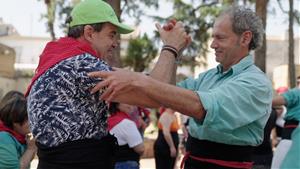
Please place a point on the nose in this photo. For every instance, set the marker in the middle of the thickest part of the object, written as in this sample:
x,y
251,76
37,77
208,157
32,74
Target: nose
x,y
213,44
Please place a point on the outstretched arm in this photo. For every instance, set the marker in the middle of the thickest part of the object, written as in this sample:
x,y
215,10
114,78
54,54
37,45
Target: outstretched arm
x,y
138,89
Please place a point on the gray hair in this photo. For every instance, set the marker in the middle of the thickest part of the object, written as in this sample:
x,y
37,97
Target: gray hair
x,y
244,19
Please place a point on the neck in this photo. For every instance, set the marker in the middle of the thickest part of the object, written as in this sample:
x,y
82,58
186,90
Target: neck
x,y
227,67
83,40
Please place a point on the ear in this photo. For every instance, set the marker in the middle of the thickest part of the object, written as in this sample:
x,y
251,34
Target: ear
x,y
88,31
246,38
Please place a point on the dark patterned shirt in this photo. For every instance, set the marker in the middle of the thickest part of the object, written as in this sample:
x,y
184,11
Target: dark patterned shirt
x,y
60,105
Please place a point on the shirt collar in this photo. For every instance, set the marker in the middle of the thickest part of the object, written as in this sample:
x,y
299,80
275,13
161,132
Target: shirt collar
x,y
239,67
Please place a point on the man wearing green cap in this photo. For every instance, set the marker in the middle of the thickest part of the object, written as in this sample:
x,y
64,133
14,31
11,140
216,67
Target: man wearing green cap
x,y
68,122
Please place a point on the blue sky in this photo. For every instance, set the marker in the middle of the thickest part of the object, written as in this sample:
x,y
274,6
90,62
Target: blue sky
x,y
25,15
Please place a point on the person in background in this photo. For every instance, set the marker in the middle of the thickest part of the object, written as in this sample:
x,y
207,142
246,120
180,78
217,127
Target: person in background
x,y
184,123
281,111
298,82
130,141
17,146
291,100
166,144
144,119
141,117
263,154
291,159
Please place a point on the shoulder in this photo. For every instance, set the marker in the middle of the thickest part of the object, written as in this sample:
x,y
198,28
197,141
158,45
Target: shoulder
x,y
255,77
294,90
85,61
126,123
6,138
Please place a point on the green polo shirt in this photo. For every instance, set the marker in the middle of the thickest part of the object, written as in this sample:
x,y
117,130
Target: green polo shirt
x,y
292,99
237,104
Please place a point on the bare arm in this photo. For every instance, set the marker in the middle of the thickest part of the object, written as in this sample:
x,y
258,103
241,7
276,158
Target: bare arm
x,y
137,89
172,96
140,148
165,69
29,153
166,121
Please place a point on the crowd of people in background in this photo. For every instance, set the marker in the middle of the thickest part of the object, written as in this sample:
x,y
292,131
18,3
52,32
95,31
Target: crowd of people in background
x,y
79,112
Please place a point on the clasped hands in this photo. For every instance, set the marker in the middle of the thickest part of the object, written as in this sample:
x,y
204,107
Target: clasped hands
x,y
120,81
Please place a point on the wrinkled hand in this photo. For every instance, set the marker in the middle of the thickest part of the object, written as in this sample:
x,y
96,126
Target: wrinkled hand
x,y
115,82
174,34
173,152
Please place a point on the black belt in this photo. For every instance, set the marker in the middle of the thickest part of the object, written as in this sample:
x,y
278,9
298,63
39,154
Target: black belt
x,y
289,127
291,124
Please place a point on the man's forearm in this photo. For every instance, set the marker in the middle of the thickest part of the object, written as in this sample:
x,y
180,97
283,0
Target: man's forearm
x,y
182,100
165,68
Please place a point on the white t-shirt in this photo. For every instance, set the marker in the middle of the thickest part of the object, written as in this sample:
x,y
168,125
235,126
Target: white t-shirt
x,y
127,133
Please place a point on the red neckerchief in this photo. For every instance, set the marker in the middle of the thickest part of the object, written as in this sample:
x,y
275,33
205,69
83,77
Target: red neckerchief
x,y
19,137
57,51
117,118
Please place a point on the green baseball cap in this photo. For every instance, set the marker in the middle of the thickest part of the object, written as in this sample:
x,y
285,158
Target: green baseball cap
x,y
96,11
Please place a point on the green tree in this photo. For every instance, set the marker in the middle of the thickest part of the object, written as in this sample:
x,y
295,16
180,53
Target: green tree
x,y
50,16
140,52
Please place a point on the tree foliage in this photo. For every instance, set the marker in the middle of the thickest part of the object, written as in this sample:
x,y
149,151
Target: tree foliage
x,y
57,12
198,16
141,51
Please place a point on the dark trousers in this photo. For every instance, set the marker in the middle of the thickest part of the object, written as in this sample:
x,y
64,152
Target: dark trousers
x,y
164,160
162,155
80,154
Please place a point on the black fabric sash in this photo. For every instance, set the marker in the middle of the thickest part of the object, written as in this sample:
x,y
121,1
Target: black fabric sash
x,y
80,154
218,151
289,127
